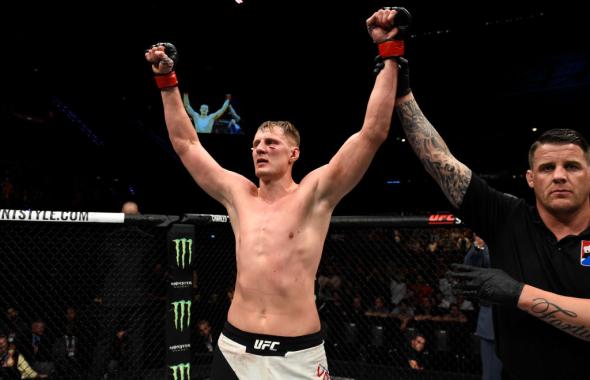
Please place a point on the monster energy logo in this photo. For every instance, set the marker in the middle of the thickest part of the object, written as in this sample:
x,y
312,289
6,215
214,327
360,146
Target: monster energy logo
x,y
179,370
183,246
180,309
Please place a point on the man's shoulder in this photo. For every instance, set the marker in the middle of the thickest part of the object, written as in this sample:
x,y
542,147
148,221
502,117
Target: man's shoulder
x,y
480,188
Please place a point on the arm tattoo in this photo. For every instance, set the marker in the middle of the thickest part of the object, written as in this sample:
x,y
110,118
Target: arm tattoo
x,y
551,313
451,175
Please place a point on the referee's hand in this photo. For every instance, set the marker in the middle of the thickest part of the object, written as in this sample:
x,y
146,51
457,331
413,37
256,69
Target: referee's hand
x,y
487,284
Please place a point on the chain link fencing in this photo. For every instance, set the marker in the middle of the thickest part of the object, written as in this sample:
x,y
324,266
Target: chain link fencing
x,y
86,300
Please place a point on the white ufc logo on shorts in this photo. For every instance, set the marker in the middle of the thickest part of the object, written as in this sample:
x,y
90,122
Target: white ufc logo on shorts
x,y
260,344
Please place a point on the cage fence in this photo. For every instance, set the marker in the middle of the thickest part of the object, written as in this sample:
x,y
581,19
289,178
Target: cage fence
x,y
89,300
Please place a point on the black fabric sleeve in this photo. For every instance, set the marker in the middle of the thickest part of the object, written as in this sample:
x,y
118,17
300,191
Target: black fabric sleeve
x,y
486,210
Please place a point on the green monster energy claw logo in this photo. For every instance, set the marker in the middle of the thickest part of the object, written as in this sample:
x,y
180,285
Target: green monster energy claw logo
x,y
180,309
179,370
183,246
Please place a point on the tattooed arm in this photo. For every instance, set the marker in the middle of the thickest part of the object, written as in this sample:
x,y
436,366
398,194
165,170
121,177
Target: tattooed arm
x,y
571,315
451,175
493,285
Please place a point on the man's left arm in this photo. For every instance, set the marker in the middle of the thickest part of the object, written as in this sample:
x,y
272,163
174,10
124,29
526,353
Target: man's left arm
x,y
215,115
569,314
26,371
352,160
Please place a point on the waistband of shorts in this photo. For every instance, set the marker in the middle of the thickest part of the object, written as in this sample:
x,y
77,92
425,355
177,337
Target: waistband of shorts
x,y
261,342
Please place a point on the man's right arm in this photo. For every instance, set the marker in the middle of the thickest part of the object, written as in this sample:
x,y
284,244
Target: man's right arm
x,y
451,175
187,105
208,174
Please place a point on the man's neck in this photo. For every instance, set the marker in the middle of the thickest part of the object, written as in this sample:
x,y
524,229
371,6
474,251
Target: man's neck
x,y
562,225
271,190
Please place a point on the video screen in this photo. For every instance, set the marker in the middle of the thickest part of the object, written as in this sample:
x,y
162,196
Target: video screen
x,y
214,117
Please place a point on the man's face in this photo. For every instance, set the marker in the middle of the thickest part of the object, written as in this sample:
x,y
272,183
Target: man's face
x,y
38,328
560,177
11,313
70,314
418,343
478,242
204,109
204,329
273,153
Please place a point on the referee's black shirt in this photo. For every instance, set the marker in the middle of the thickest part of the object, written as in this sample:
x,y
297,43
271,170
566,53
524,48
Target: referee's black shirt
x,y
523,246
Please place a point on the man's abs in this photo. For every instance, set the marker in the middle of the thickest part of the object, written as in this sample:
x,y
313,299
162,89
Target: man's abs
x,y
286,312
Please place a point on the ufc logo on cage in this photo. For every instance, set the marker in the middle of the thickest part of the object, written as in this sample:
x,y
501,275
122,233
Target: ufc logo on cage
x,y
260,344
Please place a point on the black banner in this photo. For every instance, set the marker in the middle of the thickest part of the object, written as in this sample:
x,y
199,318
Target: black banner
x,y
181,256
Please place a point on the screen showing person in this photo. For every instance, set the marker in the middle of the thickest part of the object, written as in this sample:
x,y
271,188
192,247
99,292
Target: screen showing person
x,y
224,120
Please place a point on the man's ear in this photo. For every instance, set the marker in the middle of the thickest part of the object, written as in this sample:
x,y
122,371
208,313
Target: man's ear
x,y
529,178
294,154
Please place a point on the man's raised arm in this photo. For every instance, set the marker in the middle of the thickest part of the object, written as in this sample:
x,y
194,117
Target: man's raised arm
x,y
209,175
451,175
352,160
187,105
215,115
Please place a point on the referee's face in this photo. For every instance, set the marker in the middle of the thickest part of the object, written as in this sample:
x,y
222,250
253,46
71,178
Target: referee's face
x,y
560,178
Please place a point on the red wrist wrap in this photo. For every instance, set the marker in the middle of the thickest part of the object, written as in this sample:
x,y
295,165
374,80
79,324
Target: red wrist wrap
x,y
166,80
393,48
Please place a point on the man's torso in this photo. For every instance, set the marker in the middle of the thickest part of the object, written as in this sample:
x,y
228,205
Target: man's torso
x,y
204,123
278,250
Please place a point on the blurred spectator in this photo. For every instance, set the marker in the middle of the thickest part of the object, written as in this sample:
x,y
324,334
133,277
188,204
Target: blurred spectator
x,y
205,341
13,365
130,207
38,349
14,327
454,315
68,353
426,309
421,288
416,351
479,256
379,309
119,359
398,288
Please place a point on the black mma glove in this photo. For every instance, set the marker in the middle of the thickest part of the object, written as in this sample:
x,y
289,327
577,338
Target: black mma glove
x,y
164,70
488,284
403,74
403,77
395,49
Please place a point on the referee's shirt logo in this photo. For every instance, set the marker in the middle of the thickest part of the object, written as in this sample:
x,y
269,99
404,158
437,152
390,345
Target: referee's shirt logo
x,y
585,253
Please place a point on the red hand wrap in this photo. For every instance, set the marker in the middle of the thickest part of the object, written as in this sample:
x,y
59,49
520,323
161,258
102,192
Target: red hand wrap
x,y
393,48
166,80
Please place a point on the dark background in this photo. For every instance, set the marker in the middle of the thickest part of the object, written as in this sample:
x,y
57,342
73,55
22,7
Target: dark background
x,y
81,118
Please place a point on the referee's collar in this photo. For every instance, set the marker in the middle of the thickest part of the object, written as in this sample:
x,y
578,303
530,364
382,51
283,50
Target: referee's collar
x,y
536,218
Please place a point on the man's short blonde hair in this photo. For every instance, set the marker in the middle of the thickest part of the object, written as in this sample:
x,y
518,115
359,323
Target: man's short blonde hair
x,y
288,129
